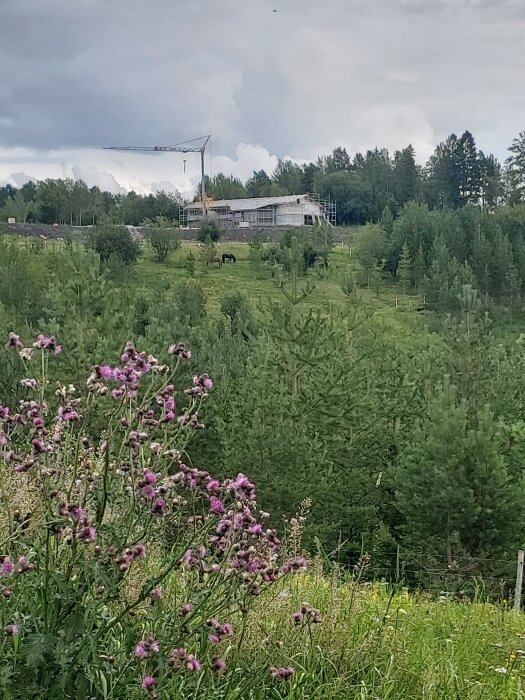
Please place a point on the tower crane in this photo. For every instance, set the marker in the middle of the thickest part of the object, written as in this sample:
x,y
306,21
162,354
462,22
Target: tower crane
x,y
182,147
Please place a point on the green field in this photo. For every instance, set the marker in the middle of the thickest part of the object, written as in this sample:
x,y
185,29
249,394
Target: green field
x,y
378,421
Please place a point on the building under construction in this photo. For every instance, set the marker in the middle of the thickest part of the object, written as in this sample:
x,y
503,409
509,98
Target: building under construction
x,y
262,212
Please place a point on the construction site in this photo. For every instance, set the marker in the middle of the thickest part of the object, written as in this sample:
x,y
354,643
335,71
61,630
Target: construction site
x,y
258,213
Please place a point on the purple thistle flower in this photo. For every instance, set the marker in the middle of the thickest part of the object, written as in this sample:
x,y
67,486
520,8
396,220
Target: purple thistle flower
x,y
105,372
216,505
213,485
148,683
157,594
68,414
87,534
159,506
148,492
13,341
149,477
3,439
193,664
139,552
214,639
7,567
38,446
282,673
297,617
185,609
206,382
294,564
179,350
12,630
140,651
29,383
76,513
47,342
219,665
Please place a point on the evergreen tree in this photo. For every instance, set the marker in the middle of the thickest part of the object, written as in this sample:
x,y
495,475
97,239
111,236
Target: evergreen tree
x,y
481,262
453,486
419,268
517,164
406,175
405,269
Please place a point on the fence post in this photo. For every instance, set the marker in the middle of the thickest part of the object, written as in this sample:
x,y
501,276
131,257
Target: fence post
x,y
519,580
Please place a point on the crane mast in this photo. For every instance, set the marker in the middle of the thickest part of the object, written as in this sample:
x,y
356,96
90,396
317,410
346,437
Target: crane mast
x,y
182,147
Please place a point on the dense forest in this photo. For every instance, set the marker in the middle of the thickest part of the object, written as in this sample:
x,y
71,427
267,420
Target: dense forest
x,y
457,173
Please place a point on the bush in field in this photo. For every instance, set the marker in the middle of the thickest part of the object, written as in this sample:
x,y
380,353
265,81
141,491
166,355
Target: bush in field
x,y
162,236
124,572
114,242
210,228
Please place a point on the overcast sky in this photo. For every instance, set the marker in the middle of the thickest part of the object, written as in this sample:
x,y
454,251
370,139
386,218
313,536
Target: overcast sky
x,y
76,75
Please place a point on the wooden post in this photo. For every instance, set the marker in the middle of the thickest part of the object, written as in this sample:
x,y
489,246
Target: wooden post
x,y
519,580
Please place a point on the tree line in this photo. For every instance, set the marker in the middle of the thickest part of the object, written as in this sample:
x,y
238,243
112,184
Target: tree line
x,y
457,173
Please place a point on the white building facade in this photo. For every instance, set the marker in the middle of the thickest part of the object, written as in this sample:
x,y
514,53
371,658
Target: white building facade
x,y
288,211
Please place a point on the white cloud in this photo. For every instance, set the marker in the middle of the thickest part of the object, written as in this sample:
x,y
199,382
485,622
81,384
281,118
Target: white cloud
x,y
299,81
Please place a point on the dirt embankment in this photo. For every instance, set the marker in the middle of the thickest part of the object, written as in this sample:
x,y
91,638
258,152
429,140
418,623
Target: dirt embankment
x,y
187,234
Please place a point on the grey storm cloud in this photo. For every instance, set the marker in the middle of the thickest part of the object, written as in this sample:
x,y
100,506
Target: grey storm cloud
x,y
298,81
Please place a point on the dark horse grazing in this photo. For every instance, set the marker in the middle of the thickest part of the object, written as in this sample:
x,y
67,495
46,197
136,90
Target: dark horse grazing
x,y
228,257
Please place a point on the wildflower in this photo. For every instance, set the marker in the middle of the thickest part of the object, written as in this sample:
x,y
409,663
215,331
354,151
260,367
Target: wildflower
x,y
293,565
13,341
219,665
3,439
12,630
26,353
23,565
501,670
193,664
38,446
159,506
297,617
47,342
140,651
216,505
7,567
105,372
176,655
185,609
149,492
29,383
148,683
180,350
87,534
157,594
282,673
139,552
76,513
146,647
68,414
213,485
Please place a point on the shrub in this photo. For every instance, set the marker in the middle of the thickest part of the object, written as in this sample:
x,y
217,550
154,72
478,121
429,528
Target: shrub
x,y
123,570
210,228
162,236
114,241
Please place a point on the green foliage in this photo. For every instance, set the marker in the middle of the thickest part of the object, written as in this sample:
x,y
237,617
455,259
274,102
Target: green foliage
x,y
114,242
209,228
162,236
370,250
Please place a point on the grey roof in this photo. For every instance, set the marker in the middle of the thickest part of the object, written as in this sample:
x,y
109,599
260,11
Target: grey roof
x,y
251,203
